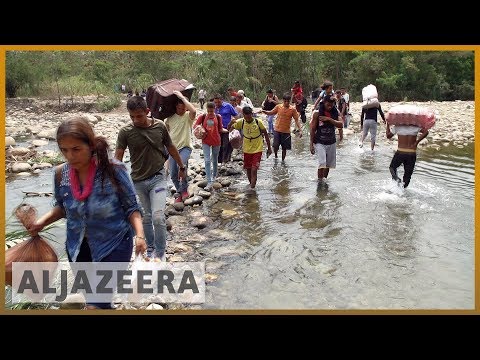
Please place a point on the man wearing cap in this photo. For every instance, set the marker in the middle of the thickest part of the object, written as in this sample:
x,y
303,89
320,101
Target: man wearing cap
x,y
281,134
322,135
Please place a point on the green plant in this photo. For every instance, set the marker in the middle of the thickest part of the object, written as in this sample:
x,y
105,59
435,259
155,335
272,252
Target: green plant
x,y
109,103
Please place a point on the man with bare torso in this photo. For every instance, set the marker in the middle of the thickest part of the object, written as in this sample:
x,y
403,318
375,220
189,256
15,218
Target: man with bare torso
x,y
406,153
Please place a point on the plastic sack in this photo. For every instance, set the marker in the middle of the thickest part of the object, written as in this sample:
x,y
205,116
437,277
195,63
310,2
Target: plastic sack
x,y
235,138
369,92
199,132
411,115
35,249
370,103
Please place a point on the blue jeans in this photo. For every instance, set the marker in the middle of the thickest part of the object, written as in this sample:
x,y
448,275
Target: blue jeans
x,y
152,193
122,253
208,160
270,123
182,185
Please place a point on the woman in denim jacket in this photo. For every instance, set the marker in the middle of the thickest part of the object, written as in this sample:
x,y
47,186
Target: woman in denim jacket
x,y
97,197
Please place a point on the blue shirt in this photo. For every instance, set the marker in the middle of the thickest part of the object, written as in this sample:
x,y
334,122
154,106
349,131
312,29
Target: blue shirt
x,y
102,218
226,111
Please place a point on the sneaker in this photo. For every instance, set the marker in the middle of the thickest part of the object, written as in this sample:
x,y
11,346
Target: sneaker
x,y
184,195
208,187
178,199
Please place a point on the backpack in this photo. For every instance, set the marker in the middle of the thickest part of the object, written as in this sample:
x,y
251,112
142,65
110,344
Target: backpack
x,y
268,104
200,131
243,123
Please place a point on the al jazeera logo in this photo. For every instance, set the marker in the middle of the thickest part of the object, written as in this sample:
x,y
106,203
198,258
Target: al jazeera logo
x,y
136,282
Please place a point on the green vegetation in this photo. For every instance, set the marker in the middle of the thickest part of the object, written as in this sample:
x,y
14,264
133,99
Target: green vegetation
x,y
398,75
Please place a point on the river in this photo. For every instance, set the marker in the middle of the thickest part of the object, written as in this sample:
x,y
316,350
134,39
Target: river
x,y
357,242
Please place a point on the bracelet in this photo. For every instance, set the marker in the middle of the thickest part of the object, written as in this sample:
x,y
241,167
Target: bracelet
x,y
139,237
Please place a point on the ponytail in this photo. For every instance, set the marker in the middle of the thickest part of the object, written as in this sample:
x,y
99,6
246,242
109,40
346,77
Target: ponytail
x,y
103,161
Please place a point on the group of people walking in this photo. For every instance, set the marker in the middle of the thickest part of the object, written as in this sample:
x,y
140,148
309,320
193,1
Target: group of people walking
x,y
98,196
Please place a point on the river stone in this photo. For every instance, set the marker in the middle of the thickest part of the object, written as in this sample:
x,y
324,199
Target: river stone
x,y
50,134
154,306
170,211
21,167
176,258
9,141
225,182
19,151
210,278
180,247
42,166
202,183
204,194
179,206
217,185
193,200
227,214
201,222
38,142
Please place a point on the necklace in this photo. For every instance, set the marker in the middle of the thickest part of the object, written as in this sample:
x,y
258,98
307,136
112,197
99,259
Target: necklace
x,y
75,182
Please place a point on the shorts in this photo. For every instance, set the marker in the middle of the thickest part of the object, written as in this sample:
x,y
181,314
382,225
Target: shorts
x,y
284,139
252,161
326,155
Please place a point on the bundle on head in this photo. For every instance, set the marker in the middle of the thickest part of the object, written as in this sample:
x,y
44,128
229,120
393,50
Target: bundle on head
x,y
407,114
35,249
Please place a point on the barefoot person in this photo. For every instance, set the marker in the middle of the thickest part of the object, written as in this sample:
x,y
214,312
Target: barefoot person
x,y
252,130
406,153
368,122
281,134
322,136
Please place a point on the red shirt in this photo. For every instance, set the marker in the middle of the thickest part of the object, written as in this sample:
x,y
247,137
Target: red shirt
x,y
213,125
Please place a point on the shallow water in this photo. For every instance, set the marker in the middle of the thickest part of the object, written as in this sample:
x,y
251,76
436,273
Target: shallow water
x,y
357,241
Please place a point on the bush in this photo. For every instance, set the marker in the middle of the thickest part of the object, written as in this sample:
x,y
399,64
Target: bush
x,y
109,103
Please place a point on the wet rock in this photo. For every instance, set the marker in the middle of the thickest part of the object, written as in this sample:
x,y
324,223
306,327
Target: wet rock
x,y
193,200
228,214
209,278
179,206
225,182
183,248
204,194
217,185
202,183
24,174
201,222
170,211
193,238
21,167
176,258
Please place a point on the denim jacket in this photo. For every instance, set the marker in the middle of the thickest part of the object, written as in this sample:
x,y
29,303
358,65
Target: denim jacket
x,y
102,218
